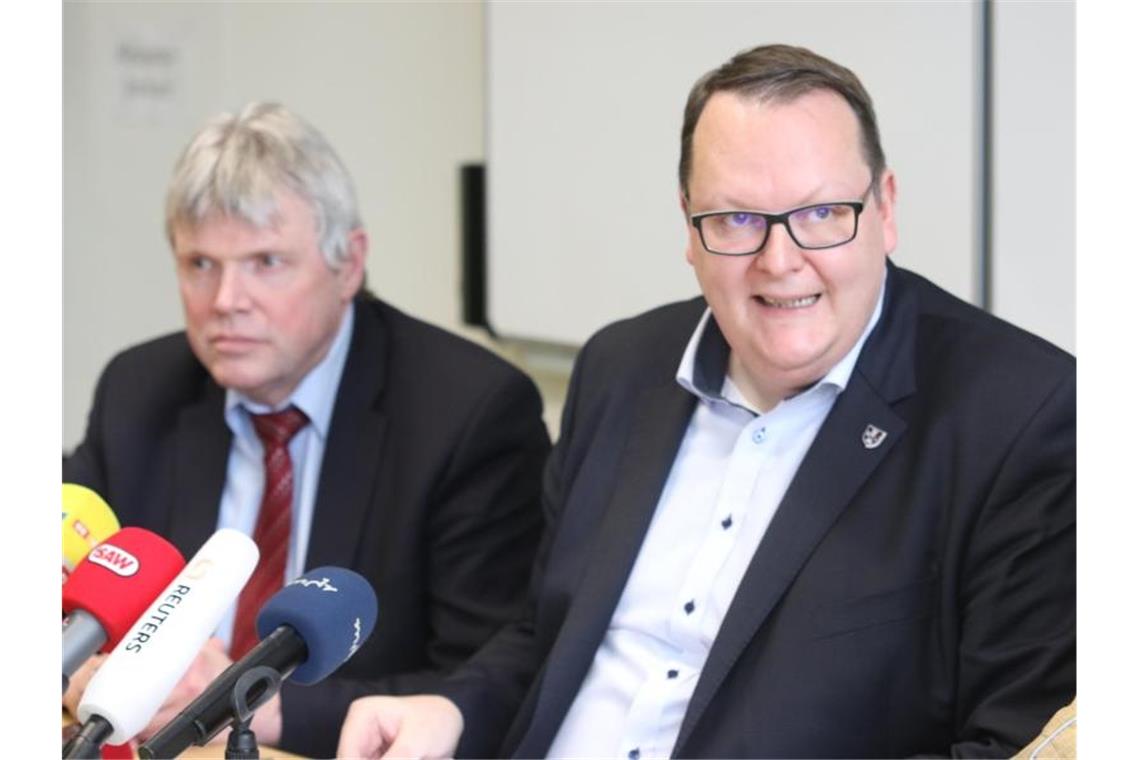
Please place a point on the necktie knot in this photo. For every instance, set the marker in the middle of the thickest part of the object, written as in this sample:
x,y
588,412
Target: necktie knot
x,y
278,428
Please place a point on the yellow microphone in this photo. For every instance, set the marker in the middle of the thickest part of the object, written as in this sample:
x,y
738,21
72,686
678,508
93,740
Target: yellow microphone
x,y
87,522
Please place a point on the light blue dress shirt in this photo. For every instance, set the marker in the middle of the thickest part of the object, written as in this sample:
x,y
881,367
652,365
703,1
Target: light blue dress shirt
x,y
730,475
316,396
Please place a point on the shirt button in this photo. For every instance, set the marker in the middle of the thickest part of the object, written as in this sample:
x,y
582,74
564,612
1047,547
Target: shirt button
x,y
671,674
726,523
634,753
690,606
759,434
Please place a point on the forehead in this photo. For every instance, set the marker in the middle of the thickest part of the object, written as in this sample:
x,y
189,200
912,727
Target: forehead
x,y
782,151
289,223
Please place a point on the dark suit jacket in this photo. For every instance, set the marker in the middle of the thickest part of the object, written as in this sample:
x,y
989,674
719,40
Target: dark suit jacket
x,y
429,488
914,598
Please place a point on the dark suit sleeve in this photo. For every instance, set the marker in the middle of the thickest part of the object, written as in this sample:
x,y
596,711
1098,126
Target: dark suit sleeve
x,y
1017,658
85,464
485,524
491,686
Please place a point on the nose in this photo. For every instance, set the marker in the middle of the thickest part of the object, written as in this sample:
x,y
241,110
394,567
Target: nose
x,y
231,294
780,254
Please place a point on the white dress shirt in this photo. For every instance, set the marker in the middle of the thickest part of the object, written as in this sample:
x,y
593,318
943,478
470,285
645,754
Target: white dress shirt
x,y
730,474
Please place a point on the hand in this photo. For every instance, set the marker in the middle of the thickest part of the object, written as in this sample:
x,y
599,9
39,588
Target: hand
x,y
79,681
423,726
207,666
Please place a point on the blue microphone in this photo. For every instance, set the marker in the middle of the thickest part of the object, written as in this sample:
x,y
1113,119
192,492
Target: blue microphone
x,y
332,611
307,629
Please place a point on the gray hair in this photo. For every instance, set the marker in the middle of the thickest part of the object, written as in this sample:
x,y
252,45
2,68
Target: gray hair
x,y
236,164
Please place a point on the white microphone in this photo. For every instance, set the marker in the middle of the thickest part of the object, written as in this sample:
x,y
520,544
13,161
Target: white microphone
x,y
131,685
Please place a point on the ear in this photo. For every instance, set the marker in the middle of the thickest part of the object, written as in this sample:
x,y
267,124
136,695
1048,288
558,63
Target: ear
x,y
887,196
689,231
351,271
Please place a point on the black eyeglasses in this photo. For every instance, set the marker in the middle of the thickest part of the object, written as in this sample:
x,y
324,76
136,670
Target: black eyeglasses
x,y
743,233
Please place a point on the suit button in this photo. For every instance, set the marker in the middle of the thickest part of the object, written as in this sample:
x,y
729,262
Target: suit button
x,y
634,753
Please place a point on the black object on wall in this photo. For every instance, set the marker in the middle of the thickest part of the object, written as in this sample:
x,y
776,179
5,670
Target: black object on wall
x,y
473,233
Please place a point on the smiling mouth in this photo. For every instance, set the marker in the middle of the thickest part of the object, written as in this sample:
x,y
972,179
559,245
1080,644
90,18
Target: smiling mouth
x,y
789,303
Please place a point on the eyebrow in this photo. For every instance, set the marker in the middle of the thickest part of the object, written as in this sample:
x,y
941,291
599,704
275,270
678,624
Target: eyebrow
x,y
243,255
731,204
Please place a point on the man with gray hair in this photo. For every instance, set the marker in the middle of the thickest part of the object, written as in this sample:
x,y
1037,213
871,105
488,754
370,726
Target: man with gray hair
x,y
826,510
329,426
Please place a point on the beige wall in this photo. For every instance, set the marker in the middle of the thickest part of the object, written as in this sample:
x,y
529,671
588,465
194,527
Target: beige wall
x,y
397,88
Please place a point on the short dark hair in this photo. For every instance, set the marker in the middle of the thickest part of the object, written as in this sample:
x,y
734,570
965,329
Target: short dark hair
x,y
782,73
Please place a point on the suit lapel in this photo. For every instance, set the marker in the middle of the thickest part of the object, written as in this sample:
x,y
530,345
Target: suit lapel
x,y
838,463
352,451
660,417
202,449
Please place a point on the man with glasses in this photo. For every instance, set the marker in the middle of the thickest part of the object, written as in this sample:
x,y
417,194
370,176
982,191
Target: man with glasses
x,y
827,510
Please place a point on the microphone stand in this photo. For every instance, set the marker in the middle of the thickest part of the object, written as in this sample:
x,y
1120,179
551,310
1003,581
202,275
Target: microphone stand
x,y
86,744
242,743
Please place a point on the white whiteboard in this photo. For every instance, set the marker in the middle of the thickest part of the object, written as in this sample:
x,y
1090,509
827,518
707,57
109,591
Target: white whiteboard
x,y
1034,169
583,132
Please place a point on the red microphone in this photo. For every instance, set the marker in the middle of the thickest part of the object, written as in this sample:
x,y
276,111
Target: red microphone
x,y
110,588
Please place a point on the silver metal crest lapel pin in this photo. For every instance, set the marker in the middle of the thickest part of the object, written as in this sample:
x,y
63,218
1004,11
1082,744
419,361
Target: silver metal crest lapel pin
x,y
873,437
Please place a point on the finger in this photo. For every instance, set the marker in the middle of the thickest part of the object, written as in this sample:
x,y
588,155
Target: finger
x,y
216,643
400,751
361,734
360,745
79,680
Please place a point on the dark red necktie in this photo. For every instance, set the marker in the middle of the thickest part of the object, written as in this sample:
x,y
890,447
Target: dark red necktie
x,y
273,521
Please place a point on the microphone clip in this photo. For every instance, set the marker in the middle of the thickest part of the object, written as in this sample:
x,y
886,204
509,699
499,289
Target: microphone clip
x,y
254,688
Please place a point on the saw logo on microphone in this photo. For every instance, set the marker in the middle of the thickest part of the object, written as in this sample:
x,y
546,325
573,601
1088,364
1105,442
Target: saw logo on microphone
x,y
118,561
147,627
323,584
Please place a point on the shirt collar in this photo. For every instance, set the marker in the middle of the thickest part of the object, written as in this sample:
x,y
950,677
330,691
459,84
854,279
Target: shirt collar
x,y
702,371
315,395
